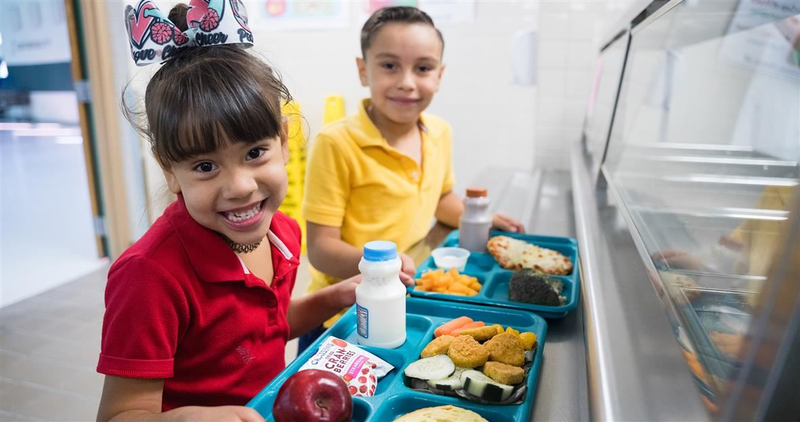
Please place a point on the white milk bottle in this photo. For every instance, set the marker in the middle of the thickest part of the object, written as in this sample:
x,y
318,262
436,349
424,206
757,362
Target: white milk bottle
x,y
476,221
381,297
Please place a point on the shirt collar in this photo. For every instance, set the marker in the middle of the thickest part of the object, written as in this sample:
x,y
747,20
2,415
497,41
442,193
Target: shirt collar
x,y
212,258
369,135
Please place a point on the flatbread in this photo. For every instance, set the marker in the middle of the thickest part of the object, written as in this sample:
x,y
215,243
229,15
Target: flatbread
x,y
441,414
513,254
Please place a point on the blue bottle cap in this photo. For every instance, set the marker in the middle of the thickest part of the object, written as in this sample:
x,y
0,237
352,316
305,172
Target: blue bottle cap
x,y
380,250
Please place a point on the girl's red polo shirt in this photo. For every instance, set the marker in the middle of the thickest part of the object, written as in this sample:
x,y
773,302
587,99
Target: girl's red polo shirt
x,y
180,305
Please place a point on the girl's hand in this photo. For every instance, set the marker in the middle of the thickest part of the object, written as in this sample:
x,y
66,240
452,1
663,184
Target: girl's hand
x,y
408,270
507,224
215,414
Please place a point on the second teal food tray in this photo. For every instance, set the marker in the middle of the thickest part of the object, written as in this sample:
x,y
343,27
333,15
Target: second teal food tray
x,y
495,278
393,399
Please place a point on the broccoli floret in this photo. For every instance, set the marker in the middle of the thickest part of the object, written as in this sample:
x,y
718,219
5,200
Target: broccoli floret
x,y
555,283
533,287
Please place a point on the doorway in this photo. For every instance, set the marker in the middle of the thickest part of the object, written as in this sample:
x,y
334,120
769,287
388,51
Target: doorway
x,y
51,223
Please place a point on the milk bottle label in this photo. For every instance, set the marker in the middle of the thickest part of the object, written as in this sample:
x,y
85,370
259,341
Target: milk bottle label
x,y
363,321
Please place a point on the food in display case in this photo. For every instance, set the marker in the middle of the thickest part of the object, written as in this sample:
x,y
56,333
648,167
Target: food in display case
x,y
727,343
719,320
515,254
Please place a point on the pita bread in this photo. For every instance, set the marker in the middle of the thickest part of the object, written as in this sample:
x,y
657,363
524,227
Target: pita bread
x,y
441,414
513,254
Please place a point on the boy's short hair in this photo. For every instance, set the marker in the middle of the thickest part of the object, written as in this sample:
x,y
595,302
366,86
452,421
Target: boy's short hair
x,y
402,14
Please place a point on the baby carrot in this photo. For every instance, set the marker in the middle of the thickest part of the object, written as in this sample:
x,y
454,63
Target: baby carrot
x,y
451,325
476,324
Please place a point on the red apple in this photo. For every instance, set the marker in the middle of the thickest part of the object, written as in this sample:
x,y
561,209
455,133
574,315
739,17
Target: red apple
x,y
313,395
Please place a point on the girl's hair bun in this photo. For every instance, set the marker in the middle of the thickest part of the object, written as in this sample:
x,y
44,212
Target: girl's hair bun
x,y
178,16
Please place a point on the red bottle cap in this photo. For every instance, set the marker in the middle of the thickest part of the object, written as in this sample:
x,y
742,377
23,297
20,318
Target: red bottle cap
x,y
476,192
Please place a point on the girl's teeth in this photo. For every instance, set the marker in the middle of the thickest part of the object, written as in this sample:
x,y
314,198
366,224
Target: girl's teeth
x,y
243,215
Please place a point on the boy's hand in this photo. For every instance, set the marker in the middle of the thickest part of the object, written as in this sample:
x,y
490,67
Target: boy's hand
x,y
408,270
215,414
507,224
345,291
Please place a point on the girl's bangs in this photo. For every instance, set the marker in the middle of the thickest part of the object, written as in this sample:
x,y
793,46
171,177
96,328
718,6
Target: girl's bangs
x,y
226,110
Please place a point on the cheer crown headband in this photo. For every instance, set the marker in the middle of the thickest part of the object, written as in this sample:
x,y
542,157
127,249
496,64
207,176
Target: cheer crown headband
x,y
154,38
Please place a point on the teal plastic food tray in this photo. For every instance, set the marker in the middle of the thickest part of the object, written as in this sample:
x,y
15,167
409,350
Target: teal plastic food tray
x,y
495,279
393,399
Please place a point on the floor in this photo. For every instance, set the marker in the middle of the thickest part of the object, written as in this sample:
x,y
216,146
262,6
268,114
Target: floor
x,y
49,346
42,169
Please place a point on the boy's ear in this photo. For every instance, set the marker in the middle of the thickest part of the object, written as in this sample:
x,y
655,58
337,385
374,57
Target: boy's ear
x,y
362,71
172,181
439,78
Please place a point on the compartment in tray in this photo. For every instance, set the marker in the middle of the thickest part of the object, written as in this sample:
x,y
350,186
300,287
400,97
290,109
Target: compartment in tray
x,y
495,279
423,316
497,288
361,410
417,328
398,406
479,263
486,262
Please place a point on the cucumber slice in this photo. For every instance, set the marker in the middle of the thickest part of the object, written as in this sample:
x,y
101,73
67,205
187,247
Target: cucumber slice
x,y
478,384
453,382
432,368
530,354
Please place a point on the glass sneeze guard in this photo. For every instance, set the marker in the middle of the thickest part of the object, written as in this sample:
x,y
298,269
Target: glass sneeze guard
x,y
703,155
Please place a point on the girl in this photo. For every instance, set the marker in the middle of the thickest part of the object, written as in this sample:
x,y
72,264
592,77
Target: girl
x,y
199,310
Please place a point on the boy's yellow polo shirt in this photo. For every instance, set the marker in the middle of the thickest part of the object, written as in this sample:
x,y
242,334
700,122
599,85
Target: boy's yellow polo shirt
x,y
371,191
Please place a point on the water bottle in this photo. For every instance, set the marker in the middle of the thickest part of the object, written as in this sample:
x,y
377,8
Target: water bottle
x,y
381,297
476,221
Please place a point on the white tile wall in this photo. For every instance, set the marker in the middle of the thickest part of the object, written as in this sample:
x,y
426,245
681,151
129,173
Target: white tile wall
x,y
570,35
552,83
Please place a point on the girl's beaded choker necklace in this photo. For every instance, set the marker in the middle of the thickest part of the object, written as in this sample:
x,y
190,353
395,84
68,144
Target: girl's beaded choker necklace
x,y
240,247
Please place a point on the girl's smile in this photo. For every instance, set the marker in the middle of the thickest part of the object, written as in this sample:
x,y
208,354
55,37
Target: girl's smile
x,y
245,217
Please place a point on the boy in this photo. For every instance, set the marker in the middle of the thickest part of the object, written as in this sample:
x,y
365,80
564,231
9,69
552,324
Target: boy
x,y
387,171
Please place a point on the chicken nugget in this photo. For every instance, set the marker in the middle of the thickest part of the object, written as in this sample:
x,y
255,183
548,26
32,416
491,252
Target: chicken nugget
x,y
506,348
480,333
438,346
504,374
466,352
